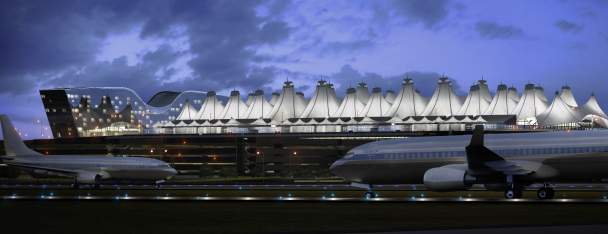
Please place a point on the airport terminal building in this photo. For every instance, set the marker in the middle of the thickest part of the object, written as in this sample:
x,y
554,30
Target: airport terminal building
x,y
111,111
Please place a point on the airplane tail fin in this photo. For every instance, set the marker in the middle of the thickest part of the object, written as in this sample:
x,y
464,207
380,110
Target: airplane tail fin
x,y
13,145
477,153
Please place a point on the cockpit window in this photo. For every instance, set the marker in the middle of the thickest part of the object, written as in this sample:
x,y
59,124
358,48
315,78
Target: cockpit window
x,y
349,155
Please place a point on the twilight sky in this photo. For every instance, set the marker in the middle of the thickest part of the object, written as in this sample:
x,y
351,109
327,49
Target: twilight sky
x,y
151,45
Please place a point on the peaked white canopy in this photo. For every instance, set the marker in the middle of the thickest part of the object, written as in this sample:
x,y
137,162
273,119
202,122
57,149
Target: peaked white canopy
x,y
567,96
484,91
188,112
390,96
322,104
362,93
212,107
502,104
249,99
235,108
530,104
475,103
288,105
376,106
408,101
259,108
350,106
512,93
591,107
444,101
540,92
301,100
274,98
559,112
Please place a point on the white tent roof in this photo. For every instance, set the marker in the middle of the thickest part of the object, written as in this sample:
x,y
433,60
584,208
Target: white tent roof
x,y
259,108
567,96
332,92
512,93
408,101
540,92
559,112
188,112
235,108
274,98
502,104
444,101
212,107
376,106
322,104
183,124
390,96
530,104
362,93
249,99
475,103
592,107
350,106
484,91
288,105
301,100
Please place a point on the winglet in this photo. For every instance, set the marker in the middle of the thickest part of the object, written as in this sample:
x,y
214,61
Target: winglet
x,y
477,138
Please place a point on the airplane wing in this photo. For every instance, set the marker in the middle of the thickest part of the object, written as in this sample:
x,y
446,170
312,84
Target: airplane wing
x,y
481,160
82,175
45,168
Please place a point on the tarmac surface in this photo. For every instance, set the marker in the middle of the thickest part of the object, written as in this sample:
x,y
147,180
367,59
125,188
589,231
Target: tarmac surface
x,y
295,208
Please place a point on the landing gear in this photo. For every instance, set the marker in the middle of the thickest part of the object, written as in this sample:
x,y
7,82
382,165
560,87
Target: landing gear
x,y
370,194
545,192
513,193
75,185
97,182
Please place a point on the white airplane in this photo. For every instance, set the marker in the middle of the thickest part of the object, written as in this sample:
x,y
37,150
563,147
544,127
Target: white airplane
x,y
83,168
507,162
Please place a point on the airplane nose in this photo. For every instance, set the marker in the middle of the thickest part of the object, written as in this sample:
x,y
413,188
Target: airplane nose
x,y
170,172
334,166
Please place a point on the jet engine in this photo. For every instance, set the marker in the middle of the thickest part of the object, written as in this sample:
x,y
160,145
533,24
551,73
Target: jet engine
x,y
91,177
447,178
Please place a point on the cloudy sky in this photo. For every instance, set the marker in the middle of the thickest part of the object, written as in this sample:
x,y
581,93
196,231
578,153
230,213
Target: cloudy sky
x,y
152,45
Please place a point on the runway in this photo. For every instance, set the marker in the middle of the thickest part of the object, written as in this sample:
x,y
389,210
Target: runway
x,y
339,193
126,197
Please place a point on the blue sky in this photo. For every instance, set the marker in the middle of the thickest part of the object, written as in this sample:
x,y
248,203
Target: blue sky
x,y
152,45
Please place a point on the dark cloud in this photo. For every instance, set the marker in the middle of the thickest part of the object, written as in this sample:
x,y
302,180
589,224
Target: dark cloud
x,y
424,81
53,39
568,27
340,47
428,12
492,30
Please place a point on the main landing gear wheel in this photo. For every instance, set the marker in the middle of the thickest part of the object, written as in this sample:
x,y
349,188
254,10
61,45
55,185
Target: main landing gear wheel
x,y
513,193
370,194
545,193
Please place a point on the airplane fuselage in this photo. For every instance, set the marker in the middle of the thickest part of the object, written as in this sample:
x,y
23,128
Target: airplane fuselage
x,y
120,168
577,156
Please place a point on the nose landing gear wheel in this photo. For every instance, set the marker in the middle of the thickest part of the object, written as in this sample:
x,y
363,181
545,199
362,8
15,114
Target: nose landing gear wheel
x,y
370,194
545,193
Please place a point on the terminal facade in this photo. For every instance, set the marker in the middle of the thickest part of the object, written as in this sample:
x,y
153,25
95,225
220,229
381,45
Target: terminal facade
x,y
112,111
